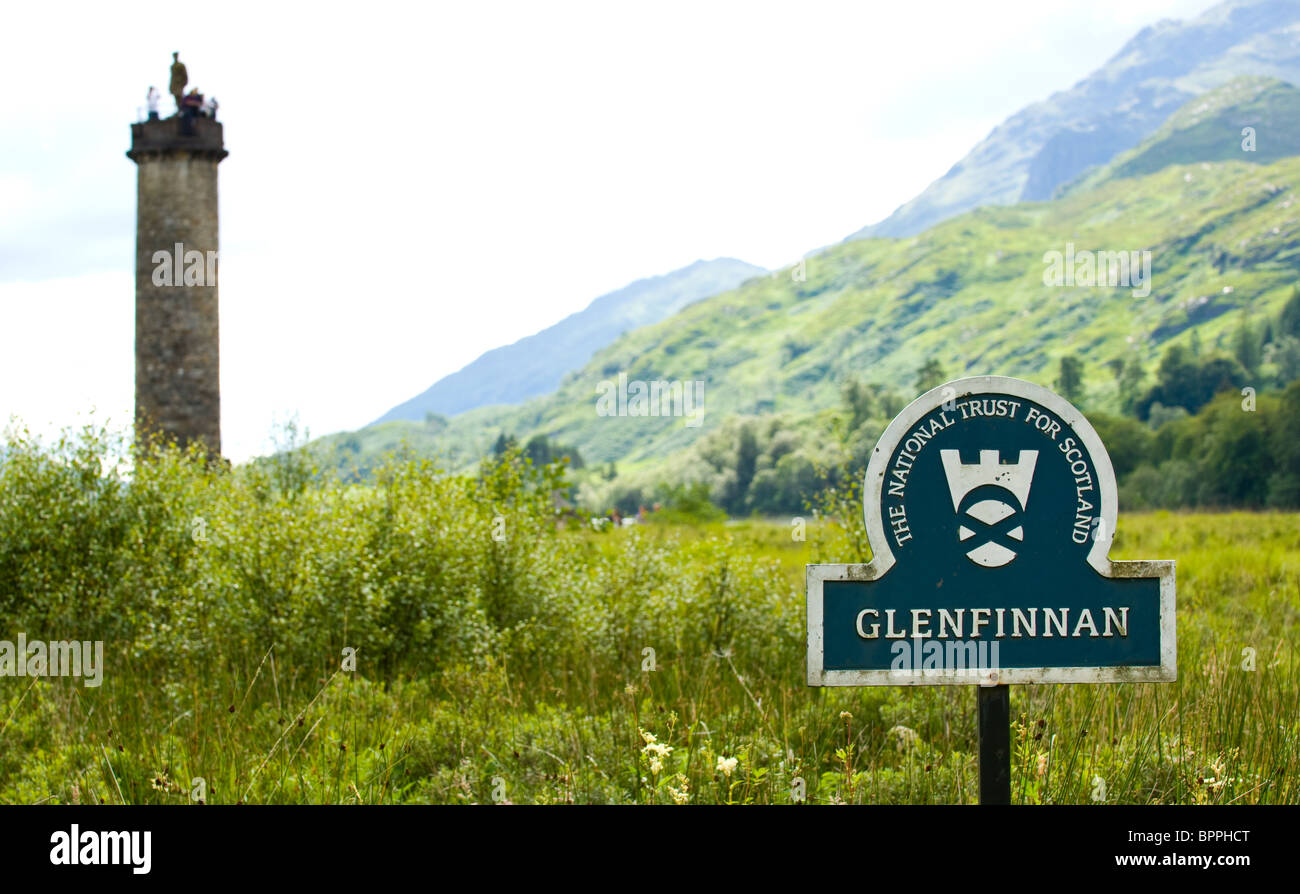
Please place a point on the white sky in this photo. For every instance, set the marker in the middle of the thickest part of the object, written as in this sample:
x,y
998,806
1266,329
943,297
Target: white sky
x,y
408,187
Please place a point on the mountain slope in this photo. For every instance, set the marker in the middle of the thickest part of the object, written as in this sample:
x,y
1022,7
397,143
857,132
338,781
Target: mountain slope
x,y
535,365
969,293
1211,129
1044,145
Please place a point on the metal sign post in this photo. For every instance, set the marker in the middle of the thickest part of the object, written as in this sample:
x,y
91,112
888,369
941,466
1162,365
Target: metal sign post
x,y
989,504
994,706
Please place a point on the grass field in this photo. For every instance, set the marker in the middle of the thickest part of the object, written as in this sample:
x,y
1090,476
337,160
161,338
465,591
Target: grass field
x,y
515,668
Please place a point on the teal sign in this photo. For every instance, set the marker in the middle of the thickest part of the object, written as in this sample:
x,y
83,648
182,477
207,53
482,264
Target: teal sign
x,y
990,505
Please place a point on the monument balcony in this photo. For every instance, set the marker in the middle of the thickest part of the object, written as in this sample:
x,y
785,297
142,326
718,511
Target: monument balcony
x,y
196,135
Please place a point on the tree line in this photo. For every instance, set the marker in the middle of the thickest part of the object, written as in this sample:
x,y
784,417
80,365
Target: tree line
x,y
1216,428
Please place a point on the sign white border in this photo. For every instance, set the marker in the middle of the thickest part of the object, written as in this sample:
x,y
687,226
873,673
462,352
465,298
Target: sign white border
x,y
883,558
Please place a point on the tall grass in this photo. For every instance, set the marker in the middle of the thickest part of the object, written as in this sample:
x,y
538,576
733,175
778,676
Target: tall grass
x,y
501,651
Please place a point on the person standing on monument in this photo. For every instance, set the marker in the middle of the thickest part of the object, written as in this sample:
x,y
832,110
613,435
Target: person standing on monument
x,y
152,99
179,79
193,103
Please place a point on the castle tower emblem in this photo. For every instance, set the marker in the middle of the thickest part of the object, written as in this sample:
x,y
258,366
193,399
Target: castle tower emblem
x,y
989,498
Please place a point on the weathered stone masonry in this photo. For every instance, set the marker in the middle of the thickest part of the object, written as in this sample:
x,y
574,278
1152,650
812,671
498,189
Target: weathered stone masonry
x,y
177,364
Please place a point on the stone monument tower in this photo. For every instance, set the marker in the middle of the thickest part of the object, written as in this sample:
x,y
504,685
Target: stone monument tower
x,y
177,368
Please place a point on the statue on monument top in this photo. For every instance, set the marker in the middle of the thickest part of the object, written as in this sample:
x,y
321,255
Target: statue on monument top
x,y
179,79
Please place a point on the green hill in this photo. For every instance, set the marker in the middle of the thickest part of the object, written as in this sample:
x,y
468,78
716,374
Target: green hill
x,y
1211,128
969,295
